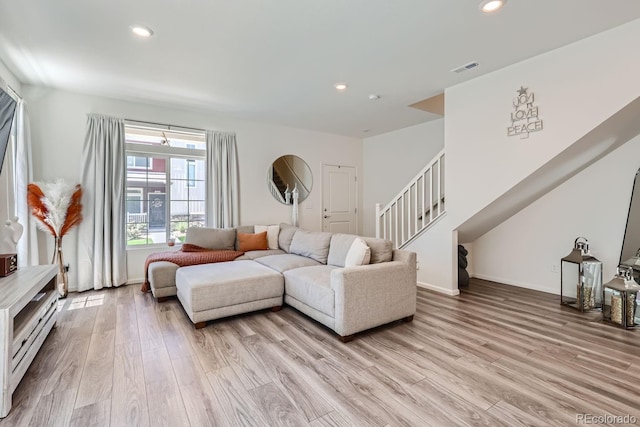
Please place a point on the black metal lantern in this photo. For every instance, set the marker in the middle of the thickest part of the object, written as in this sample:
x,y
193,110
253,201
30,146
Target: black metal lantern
x,y
581,278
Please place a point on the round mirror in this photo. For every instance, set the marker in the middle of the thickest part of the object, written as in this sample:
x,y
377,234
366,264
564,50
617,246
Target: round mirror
x,y
288,174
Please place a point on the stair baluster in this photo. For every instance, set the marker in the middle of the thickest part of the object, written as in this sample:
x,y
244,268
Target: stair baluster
x,y
405,217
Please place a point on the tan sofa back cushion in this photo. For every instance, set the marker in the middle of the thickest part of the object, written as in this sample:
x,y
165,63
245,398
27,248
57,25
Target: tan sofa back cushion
x,y
286,236
211,238
381,250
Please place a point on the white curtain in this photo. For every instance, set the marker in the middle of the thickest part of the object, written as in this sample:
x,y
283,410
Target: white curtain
x,y
222,180
28,244
102,236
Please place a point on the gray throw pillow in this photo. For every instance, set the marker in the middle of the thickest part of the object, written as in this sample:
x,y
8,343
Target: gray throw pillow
x,y
286,236
381,250
212,238
312,244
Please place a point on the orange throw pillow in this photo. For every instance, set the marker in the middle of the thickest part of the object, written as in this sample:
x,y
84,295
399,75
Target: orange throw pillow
x,y
252,242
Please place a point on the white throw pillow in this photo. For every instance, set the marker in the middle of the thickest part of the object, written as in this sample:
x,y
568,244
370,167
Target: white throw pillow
x,y
272,234
359,254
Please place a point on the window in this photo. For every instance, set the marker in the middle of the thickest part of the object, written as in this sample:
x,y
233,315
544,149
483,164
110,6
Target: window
x,y
137,162
191,173
165,183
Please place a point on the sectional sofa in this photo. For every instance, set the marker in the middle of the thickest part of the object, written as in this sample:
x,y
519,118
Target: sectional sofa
x,y
348,283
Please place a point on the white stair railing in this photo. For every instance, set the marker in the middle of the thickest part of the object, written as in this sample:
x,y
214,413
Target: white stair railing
x,y
275,191
416,207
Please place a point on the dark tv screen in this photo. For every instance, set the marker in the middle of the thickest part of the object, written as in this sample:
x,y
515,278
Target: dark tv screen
x,y
7,110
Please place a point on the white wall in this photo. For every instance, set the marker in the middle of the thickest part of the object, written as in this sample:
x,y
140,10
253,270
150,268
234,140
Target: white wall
x,y
523,250
58,121
392,159
9,77
437,255
577,87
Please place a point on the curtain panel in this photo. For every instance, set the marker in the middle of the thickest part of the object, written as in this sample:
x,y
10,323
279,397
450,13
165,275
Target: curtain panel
x,y
102,235
28,244
222,180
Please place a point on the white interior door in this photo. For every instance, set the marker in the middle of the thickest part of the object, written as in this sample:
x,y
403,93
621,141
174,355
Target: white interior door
x,y
339,198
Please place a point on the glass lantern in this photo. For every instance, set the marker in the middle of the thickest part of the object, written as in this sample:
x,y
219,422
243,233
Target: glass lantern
x,y
620,304
581,278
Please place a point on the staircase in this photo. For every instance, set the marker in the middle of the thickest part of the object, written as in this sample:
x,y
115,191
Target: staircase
x,y
415,208
279,183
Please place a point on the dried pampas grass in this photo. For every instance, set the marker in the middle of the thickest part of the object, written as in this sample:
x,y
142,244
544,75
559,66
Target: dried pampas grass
x,y
56,205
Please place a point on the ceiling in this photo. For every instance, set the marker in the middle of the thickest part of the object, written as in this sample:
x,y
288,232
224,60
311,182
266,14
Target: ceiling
x,y
276,61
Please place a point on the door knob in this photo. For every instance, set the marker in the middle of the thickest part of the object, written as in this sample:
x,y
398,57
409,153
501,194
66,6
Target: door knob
x,y
327,216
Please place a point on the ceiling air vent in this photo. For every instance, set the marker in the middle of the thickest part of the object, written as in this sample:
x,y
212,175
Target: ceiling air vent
x,y
465,67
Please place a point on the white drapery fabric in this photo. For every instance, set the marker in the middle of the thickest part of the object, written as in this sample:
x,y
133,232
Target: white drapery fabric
x,y
223,209
102,235
28,244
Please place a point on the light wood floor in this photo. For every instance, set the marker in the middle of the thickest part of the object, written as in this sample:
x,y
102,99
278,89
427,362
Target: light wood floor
x,y
494,356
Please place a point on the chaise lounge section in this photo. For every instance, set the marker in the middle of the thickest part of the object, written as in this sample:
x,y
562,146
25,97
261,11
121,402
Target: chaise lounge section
x,y
345,282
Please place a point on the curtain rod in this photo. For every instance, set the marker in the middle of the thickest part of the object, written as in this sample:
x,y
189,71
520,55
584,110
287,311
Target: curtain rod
x,y
14,93
164,125
10,91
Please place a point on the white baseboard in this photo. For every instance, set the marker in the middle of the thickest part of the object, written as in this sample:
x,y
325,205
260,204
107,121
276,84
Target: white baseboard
x,y
532,286
450,292
136,281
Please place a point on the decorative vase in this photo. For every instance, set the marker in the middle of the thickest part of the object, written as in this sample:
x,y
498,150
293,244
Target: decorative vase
x,y
63,288
57,206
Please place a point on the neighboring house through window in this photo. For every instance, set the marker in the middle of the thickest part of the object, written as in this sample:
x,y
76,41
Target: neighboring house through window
x,y
165,183
191,173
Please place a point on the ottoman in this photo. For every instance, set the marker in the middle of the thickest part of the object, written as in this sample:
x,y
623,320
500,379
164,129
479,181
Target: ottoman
x,y
212,291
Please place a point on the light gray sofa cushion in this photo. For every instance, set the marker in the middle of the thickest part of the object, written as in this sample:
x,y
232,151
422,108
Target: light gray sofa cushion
x,y
381,250
206,286
282,263
312,244
312,286
212,238
260,254
286,235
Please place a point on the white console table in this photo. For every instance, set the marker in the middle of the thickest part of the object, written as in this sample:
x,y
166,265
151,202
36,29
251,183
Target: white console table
x,y
28,311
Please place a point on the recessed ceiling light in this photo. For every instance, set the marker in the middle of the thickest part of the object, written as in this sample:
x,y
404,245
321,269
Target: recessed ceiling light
x,y
374,97
488,6
340,86
141,30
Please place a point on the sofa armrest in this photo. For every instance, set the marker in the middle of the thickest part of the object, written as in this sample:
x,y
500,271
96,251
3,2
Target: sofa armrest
x,y
372,295
162,278
404,256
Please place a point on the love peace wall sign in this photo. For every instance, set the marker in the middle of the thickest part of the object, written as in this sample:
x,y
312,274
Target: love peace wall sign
x,y
524,117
